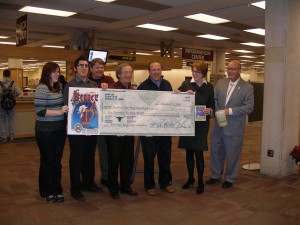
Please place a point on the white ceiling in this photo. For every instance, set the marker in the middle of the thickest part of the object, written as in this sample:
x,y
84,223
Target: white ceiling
x,y
115,23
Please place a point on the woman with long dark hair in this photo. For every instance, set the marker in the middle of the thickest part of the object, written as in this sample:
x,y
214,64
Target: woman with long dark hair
x,y
50,132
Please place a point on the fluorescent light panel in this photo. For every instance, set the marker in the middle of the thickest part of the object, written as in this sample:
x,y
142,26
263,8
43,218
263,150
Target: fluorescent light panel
x,y
261,4
52,46
243,51
258,31
45,11
245,60
7,43
247,56
252,44
207,18
30,60
156,27
106,1
142,53
3,37
211,36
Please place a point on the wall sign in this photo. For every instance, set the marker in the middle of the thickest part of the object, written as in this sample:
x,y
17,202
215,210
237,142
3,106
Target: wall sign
x,y
197,54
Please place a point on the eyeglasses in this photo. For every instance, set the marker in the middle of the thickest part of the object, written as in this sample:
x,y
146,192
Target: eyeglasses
x,y
196,71
232,69
83,66
127,73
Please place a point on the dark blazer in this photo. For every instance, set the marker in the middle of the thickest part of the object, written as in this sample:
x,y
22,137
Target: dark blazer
x,y
241,102
149,85
204,95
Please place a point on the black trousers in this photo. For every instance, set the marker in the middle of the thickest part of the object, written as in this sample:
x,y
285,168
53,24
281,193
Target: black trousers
x,y
51,146
82,161
120,156
162,147
190,164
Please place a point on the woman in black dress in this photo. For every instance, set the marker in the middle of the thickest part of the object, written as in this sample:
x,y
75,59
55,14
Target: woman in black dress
x,y
195,145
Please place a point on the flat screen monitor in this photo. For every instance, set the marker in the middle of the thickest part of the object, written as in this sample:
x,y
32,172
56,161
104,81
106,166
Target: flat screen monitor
x,y
102,54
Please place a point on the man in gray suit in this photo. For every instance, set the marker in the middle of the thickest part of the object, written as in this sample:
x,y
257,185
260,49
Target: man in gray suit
x,y
235,97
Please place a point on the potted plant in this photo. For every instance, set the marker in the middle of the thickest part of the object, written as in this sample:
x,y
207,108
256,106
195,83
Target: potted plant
x,y
296,155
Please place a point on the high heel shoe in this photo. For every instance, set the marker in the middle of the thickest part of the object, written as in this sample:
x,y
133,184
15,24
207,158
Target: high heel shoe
x,y
188,184
200,189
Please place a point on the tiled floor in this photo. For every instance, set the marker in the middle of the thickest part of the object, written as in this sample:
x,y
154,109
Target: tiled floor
x,y
253,200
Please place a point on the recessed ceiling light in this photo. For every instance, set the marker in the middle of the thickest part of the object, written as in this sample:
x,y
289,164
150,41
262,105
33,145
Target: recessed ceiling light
x,y
156,27
248,56
211,36
156,51
261,4
52,46
252,44
245,60
30,60
258,31
45,11
207,18
7,43
243,51
106,1
142,53
3,37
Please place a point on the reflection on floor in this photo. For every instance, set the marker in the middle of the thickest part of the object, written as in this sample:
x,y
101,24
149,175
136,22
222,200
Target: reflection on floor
x,y
254,199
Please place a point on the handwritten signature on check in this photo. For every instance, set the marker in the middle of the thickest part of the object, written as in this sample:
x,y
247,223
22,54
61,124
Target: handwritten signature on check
x,y
169,124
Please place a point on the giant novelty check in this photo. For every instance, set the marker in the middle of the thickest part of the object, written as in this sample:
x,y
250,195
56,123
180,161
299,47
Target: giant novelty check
x,y
93,111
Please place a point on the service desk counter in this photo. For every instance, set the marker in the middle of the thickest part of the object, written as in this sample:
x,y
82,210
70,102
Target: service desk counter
x,y
24,119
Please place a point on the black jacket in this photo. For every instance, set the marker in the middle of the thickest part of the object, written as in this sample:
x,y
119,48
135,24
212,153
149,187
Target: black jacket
x,y
148,84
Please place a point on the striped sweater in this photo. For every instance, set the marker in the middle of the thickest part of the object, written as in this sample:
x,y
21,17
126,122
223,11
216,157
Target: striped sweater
x,y
43,100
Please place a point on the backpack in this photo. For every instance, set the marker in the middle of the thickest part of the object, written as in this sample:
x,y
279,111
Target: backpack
x,y
8,101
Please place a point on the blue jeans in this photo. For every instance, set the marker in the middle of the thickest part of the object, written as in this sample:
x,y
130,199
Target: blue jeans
x,y
7,115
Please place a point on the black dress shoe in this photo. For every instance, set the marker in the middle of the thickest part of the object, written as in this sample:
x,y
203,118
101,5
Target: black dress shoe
x,y
200,189
93,188
212,181
188,184
77,195
104,182
129,191
227,184
114,194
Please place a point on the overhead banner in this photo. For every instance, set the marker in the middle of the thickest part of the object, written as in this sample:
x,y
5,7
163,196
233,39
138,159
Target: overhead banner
x,y
21,31
197,54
